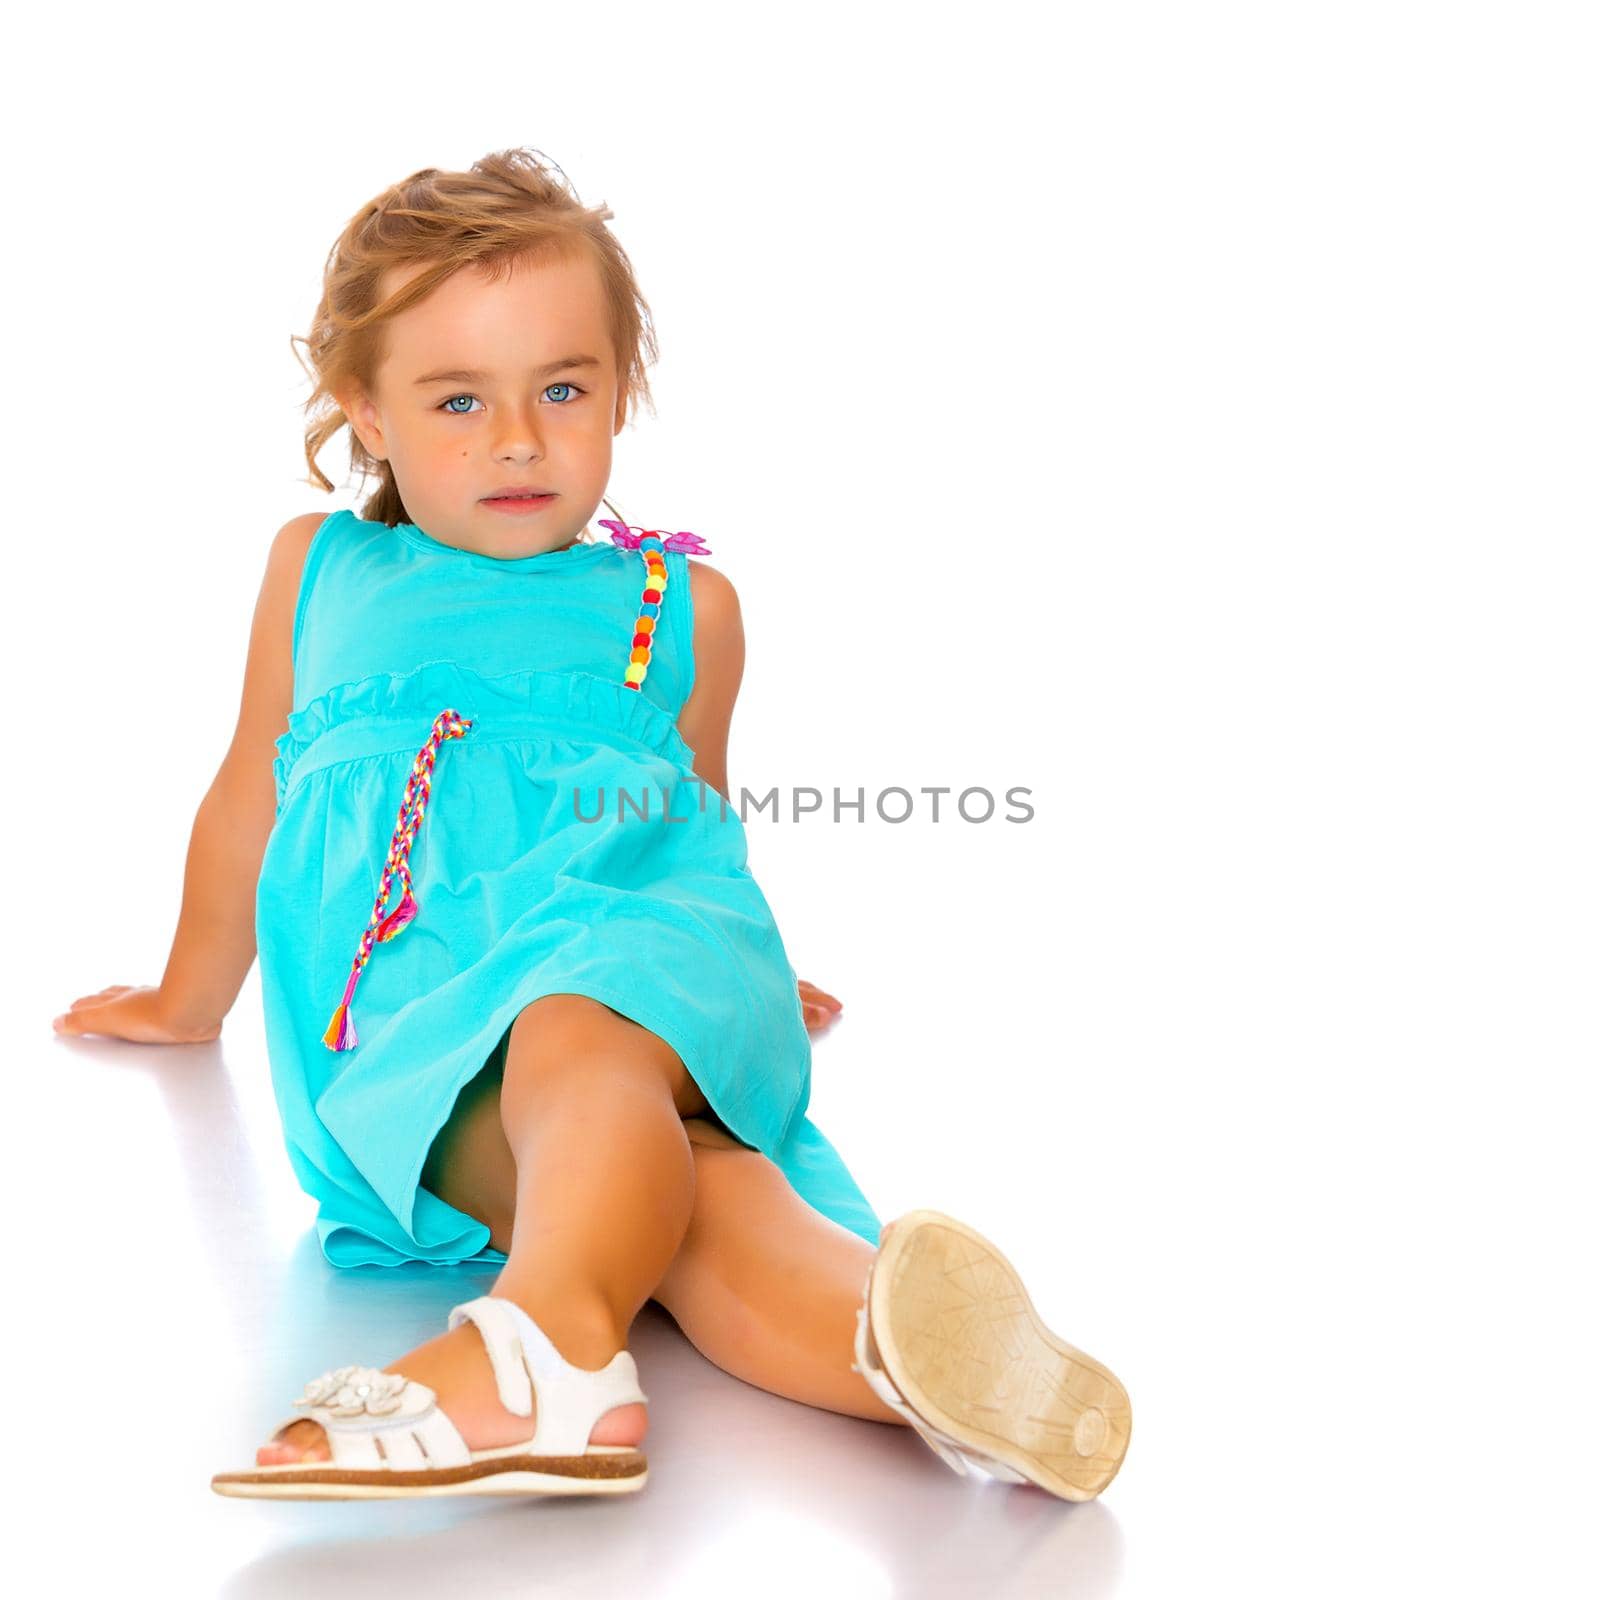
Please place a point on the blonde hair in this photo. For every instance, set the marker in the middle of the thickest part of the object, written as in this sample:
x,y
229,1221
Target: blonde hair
x,y
507,207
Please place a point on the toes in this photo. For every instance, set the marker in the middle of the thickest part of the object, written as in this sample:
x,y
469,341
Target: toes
x,y
302,1440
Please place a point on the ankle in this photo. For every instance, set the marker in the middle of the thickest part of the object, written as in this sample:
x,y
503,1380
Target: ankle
x,y
583,1328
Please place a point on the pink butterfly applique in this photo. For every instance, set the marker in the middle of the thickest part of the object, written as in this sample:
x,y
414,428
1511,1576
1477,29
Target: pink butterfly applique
x,y
627,539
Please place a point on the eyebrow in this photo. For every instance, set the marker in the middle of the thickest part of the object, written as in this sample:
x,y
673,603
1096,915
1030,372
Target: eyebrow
x,y
473,375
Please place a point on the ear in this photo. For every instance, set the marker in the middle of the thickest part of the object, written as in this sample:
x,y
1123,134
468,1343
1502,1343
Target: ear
x,y
622,411
362,415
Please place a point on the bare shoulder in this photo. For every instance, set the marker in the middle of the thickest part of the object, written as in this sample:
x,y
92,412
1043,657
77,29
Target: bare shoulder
x,y
303,526
268,691
293,540
280,586
286,563
710,581
717,621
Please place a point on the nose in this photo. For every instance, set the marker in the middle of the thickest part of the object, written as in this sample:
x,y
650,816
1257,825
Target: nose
x,y
516,436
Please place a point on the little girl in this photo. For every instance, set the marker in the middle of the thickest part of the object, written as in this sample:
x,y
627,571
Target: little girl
x,y
548,1021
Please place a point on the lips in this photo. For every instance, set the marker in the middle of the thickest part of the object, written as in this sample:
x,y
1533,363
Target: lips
x,y
520,494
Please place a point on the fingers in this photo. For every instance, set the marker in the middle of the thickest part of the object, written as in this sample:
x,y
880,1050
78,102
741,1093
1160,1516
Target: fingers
x,y
133,1012
101,994
75,1018
817,1006
810,994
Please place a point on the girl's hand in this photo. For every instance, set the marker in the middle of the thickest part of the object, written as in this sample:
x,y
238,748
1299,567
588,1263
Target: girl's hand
x,y
818,1007
139,1014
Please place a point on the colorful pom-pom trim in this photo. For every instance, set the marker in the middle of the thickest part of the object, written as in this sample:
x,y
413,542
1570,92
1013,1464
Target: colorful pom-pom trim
x,y
341,1032
650,543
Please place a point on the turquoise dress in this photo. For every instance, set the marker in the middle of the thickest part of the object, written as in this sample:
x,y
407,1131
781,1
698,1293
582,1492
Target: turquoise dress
x,y
562,845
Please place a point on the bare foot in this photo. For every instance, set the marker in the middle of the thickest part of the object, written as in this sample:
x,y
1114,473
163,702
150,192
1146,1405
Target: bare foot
x,y
456,1367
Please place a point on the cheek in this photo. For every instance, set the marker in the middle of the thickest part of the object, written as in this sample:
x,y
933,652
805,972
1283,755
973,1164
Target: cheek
x,y
442,447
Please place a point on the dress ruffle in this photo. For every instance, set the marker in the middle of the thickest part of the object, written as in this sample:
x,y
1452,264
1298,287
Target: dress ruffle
x,y
372,715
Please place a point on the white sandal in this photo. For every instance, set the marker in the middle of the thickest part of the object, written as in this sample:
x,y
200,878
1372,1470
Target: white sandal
x,y
389,1440
948,1337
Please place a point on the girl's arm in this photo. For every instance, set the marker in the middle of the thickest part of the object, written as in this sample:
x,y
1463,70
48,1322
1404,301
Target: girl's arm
x,y
215,941
718,668
707,714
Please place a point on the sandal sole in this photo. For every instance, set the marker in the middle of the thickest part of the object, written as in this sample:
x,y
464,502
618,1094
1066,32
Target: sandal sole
x,y
961,1341
622,1472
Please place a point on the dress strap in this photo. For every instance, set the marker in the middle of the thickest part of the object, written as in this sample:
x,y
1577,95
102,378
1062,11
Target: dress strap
x,y
341,1032
650,544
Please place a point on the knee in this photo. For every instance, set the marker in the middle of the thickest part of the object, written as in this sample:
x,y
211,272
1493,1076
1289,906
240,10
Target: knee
x,y
560,1036
553,1027
551,1045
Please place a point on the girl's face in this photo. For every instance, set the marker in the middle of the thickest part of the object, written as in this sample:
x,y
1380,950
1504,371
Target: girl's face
x,y
488,386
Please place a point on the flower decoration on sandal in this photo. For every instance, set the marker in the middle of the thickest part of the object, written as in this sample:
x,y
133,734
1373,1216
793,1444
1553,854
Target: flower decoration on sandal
x,y
651,545
350,1391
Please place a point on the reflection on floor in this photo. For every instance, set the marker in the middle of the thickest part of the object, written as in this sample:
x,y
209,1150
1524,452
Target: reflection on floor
x,y
206,1304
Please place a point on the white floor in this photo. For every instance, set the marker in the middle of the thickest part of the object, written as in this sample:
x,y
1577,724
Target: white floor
x,y
1318,1405
214,1303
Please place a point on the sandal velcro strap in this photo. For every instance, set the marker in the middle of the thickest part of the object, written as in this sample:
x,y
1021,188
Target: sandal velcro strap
x,y
570,1399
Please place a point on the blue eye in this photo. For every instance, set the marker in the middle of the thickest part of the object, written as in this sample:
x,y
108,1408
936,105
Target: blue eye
x,y
449,405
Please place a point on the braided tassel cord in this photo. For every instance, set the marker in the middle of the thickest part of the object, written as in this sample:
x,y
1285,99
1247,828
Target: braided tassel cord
x,y
341,1030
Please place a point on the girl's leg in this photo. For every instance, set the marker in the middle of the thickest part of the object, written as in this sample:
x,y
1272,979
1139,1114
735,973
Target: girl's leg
x,y
766,1286
590,1110
762,1285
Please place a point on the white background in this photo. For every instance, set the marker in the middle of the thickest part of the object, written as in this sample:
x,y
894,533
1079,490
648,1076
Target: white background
x,y
1187,413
